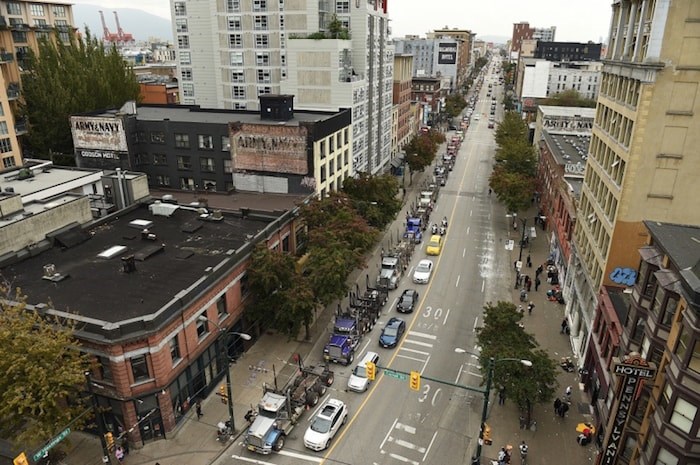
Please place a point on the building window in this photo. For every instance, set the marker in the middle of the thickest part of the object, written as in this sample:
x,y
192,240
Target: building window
x,y
262,59
158,137
638,330
181,25
160,159
184,162
669,309
664,457
649,284
206,164
234,23
245,285
238,92
262,41
221,307
183,41
260,23
684,343
42,35
185,58
182,141
141,159
64,37
225,144
202,327
342,6
238,76
233,6
206,142
36,9
180,9
174,350
259,5
235,40
187,184
236,58
139,368
186,74
188,90
40,23
228,166
19,36
264,90
264,76
8,162
162,180
14,8
59,10
209,184
5,145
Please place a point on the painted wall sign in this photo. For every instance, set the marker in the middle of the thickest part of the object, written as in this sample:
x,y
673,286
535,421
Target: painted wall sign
x,y
626,276
447,53
98,133
267,148
98,154
633,369
568,123
575,168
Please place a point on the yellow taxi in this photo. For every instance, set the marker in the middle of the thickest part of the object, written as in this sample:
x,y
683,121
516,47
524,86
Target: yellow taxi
x,y
435,245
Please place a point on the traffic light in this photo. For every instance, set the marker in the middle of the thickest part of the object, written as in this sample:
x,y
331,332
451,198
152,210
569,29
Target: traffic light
x,y
223,393
109,437
415,380
486,435
371,370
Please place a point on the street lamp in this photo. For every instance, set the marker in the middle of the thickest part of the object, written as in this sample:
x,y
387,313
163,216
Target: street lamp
x,y
487,392
522,237
224,349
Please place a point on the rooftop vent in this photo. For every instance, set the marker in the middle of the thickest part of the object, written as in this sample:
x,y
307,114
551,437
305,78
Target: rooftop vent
x,y
163,209
112,252
128,264
141,224
50,274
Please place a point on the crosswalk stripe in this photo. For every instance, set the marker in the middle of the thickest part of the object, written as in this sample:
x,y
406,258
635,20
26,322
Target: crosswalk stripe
x,y
425,335
418,343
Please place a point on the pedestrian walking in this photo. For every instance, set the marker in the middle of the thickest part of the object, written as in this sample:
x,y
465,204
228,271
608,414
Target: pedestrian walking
x,y
521,310
198,408
119,454
502,396
523,422
530,306
564,325
557,406
502,454
125,445
523,451
528,285
539,270
568,392
537,283
529,261
564,408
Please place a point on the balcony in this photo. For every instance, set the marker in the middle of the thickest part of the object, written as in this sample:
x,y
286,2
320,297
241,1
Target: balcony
x,y
13,91
3,22
19,26
6,57
43,27
20,127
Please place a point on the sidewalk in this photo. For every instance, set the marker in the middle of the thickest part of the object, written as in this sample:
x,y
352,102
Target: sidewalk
x,y
194,441
554,439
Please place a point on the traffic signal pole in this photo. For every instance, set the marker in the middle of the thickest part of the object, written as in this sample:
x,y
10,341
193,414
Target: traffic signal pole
x,y
484,412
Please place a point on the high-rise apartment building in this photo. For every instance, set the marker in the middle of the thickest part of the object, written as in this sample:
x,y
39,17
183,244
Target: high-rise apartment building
x,y
433,57
403,66
465,54
23,25
231,52
642,162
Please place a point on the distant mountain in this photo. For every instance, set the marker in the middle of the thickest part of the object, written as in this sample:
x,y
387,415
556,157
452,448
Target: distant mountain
x,y
138,23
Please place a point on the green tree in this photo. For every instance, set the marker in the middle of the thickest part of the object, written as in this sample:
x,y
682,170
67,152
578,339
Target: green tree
x,y
64,79
374,197
517,156
297,308
328,268
569,98
503,336
43,374
336,29
514,190
511,128
421,149
454,104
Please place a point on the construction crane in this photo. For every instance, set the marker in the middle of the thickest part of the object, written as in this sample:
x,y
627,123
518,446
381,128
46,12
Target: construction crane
x,y
123,37
108,36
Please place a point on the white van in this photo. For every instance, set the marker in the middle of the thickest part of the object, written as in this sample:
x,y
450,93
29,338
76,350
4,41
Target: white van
x,y
358,381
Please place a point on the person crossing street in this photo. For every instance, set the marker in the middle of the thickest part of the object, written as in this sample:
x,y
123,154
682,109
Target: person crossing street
x,y
523,452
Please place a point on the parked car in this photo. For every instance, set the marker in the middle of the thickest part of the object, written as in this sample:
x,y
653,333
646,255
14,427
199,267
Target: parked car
x,y
423,271
491,125
392,332
435,245
358,381
407,301
324,426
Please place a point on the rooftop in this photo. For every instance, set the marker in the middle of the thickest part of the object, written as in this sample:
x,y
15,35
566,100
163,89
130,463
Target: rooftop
x,y
47,179
571,151
572,112
176,259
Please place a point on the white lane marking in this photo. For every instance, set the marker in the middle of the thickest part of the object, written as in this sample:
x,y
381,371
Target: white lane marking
x,y
464,253
459,373
403,459
483,283
418,343
255,461
447,314
409,358
470,212
409,445
457,283
310,458
386,438
429,446
406,428
366,344
393,304
425,365
476,322
419,352
425,335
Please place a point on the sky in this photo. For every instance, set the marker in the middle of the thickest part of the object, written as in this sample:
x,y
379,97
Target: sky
x,y
575,21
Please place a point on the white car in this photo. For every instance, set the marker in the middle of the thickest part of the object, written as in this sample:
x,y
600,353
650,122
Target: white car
x,y
423,272
476,117
325,424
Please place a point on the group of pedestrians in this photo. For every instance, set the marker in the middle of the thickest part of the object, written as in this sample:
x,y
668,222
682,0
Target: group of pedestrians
x,y
504,455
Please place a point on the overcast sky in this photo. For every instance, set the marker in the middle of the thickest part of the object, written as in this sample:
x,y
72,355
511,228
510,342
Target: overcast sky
x,y
575,21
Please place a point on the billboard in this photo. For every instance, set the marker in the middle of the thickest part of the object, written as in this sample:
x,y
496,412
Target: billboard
x,y
447,53
267,148
98,133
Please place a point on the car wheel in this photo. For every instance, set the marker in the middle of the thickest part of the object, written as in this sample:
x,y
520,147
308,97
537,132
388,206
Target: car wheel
x,y
312,399
351,359
322,389
345,418
329,380
328,443
279,444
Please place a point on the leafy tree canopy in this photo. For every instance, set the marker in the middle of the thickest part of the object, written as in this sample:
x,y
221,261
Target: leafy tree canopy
x,y
66,79
454,104
514,189
502,336
43,374
375,197
422,148
511,128
569,98
518,156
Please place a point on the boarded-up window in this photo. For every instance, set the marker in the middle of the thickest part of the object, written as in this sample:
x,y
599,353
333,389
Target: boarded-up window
x,y
673,140
663,183
683,97
690,52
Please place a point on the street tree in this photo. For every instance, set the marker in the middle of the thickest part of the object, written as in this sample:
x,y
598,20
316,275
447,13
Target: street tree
x,y
514,190
63,79
517,156
327,270
43,373
454,104
569,98
503,336
511,128
375,197
422,148
297,308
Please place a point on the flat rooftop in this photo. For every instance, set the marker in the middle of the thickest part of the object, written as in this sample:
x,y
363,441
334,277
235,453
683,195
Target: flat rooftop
x,y
194,114
568,149
572,112
46,179
97,288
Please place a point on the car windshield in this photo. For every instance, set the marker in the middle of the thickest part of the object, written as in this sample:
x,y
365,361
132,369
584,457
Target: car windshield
x,y
407,299
360,371
391,331
434,243
321,425
422,267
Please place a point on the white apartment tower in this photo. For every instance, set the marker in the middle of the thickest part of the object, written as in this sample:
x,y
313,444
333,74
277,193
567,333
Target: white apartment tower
x,y
232,51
